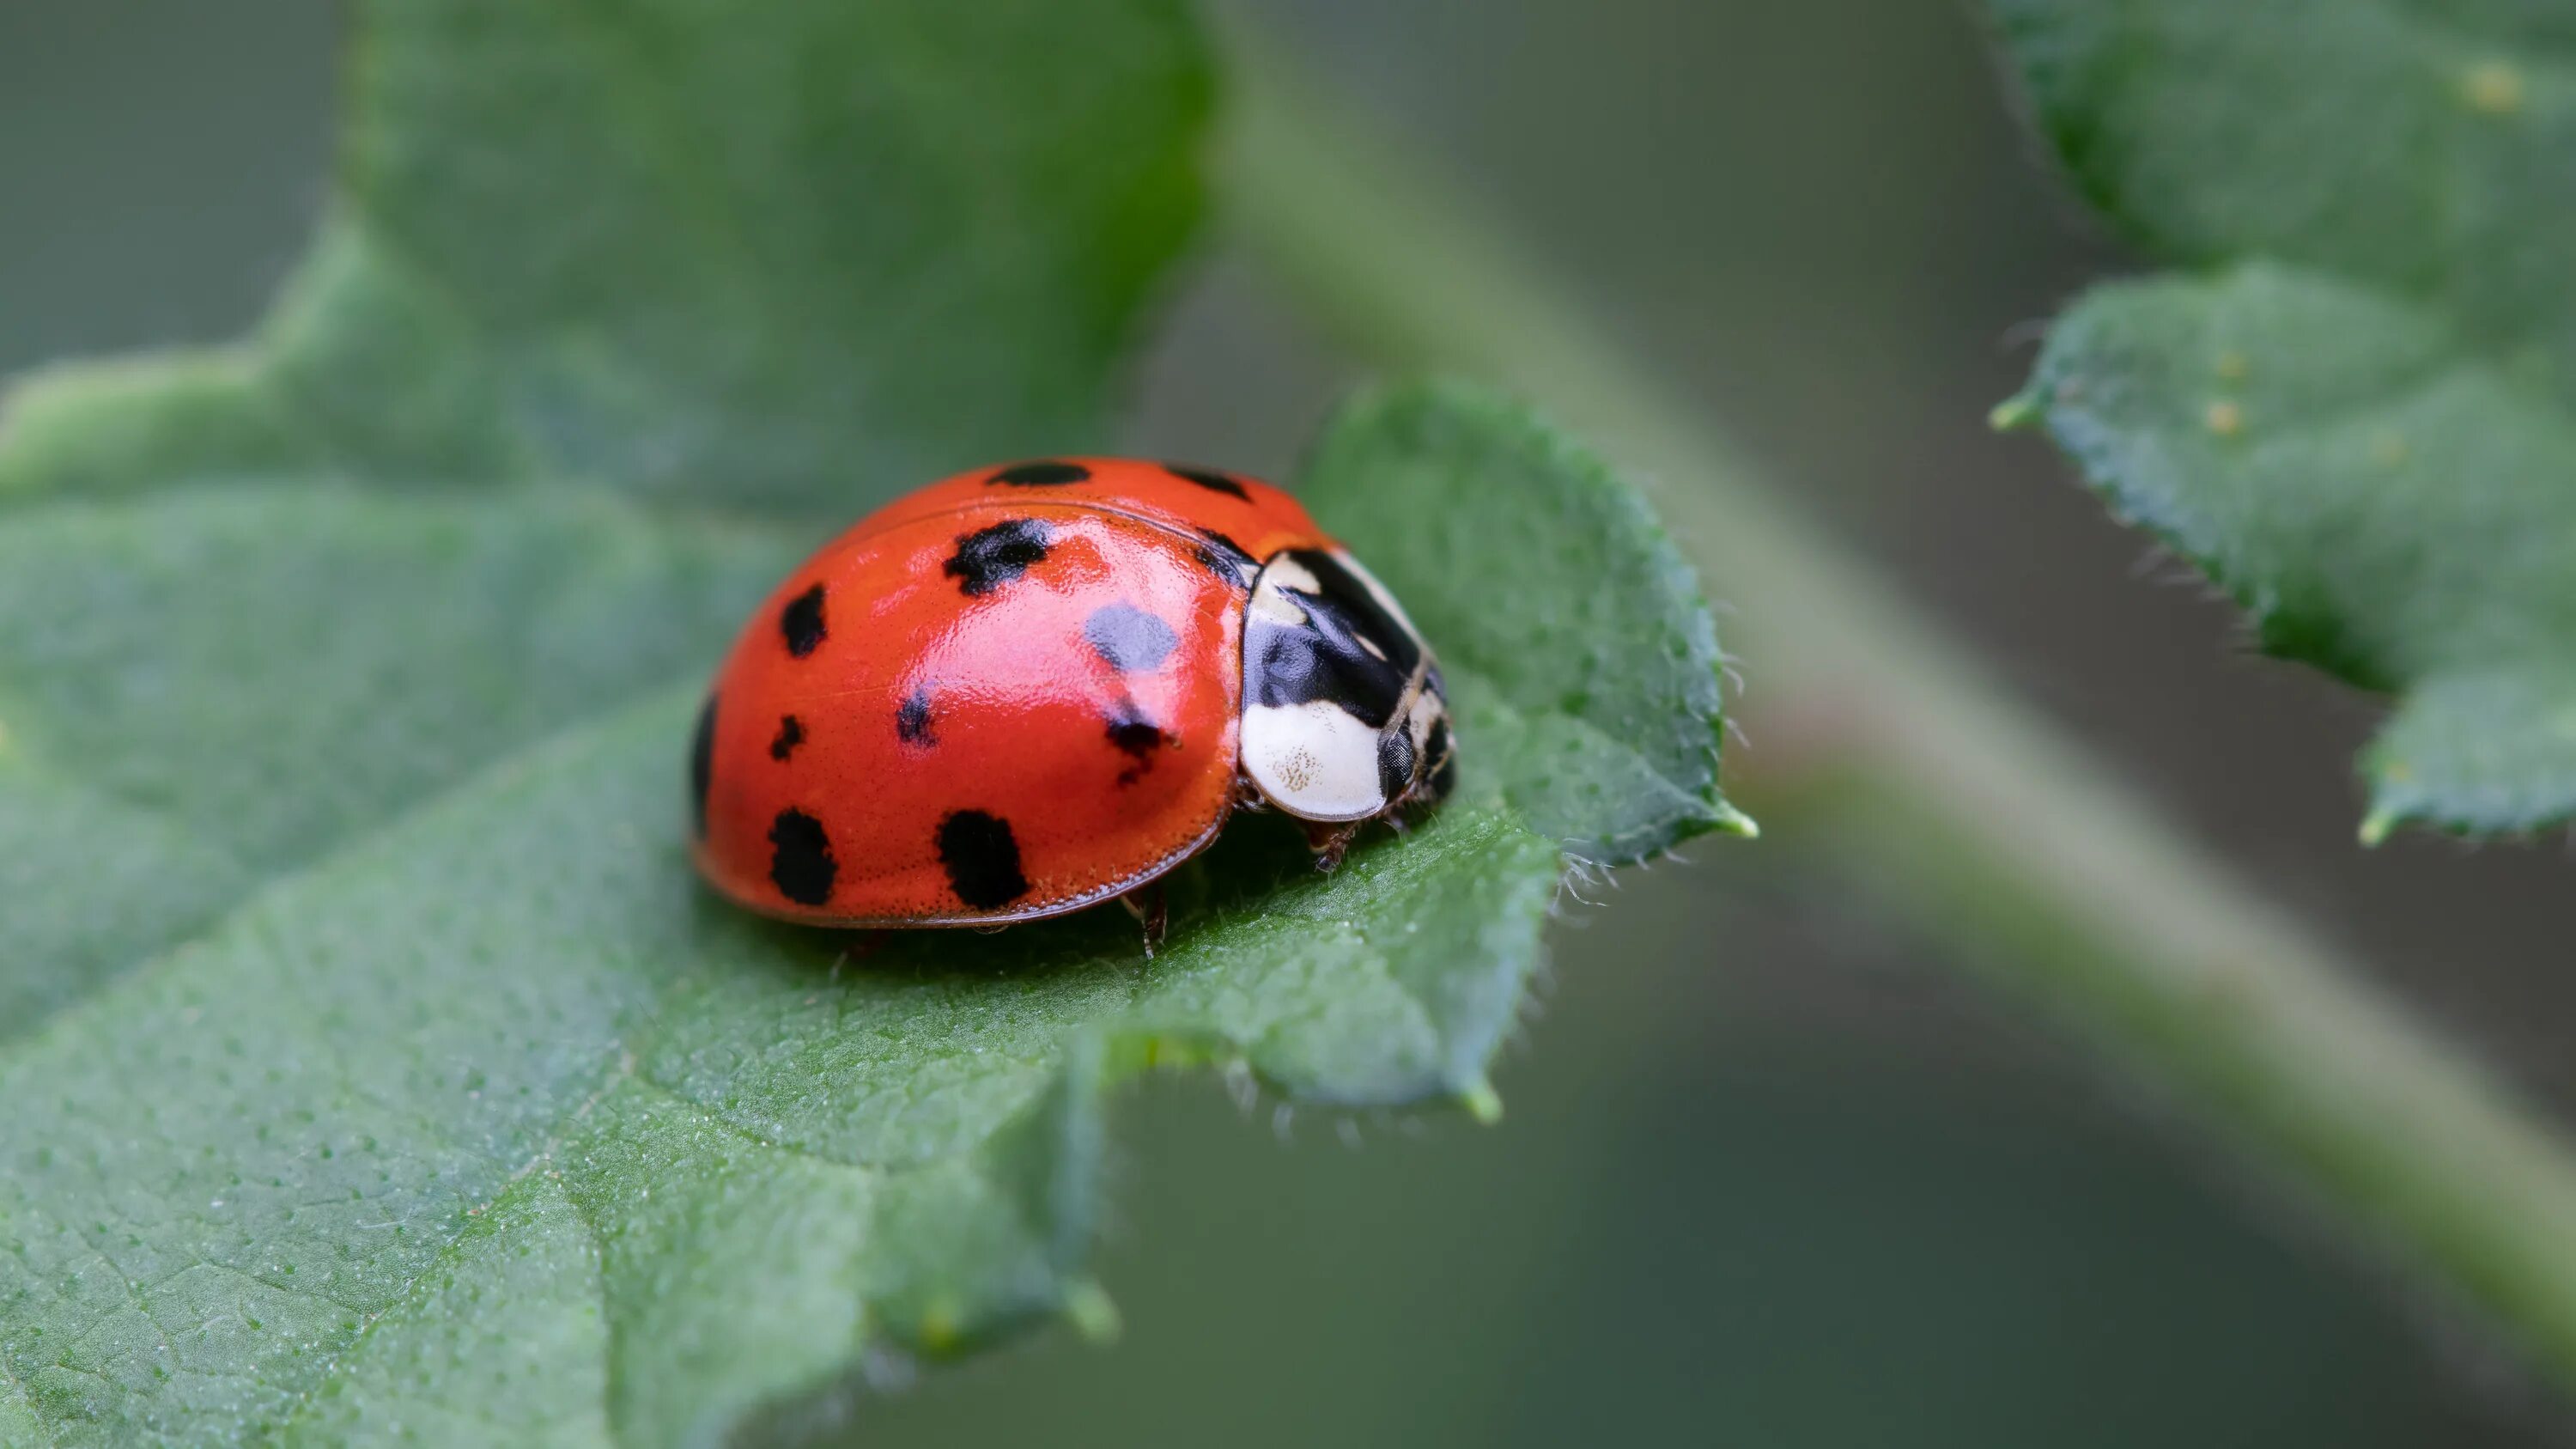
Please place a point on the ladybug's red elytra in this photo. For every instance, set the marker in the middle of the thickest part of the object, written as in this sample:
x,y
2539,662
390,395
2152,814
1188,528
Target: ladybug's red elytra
x,y
1026,690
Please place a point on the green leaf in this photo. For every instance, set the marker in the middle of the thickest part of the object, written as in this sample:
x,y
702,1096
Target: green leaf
x,y
209,689
795,259
2355,411
1601,685
488,1092
375,1067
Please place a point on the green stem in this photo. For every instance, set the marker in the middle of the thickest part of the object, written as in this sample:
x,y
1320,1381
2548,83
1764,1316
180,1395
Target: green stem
x,y
2060,886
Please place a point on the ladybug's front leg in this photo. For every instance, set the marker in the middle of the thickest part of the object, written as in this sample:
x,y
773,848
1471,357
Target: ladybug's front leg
x,y
1151,910
1330,842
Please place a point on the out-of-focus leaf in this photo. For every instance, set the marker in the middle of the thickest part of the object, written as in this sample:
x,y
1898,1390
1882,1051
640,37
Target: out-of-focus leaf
x,y
784,257
2355,410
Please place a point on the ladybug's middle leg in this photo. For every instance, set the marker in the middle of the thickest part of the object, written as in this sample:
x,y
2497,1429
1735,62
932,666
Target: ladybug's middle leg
x,y
1330,842
1152,910
859,946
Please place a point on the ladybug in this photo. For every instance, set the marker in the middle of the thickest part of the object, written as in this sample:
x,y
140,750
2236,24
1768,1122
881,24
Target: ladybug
x,y
1026,690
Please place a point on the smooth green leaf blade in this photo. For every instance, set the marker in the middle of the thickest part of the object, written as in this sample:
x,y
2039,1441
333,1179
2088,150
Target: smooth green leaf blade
x,y
200,690
396,1381
89,885
1498,532
274,1149
96,429
269,667
2383,501
2415,146
790,257
2358,421
2486,751
18,1416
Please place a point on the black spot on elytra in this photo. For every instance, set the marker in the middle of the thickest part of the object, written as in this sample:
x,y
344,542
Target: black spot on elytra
x,y
1225,558
702,763
802,622
791,733
991,557
1324,656
1138,737
912,718
982,858
801,863
1132,640
1040,475
1209,479
1394,762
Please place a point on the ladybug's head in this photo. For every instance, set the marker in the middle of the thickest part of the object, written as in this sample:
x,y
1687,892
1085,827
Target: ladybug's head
x,y
1344,714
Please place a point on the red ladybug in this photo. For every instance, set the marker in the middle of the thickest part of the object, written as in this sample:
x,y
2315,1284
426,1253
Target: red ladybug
x,y
1026,690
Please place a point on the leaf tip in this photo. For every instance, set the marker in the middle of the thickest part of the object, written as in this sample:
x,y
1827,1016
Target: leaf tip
x,y
1481,1101
2375,826
2494,88
939,1330
2017,412
1736,823
1088,1307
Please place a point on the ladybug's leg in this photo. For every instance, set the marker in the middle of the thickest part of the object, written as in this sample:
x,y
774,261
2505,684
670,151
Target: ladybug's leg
x,y
1408,809
858,946
1330,842
1151,910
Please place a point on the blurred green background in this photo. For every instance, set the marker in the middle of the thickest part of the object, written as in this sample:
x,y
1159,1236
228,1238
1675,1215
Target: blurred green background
x,y
1770,1176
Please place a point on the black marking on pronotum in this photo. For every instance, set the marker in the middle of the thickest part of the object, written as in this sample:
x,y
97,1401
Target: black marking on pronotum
x,y
982,858
791,733
1437,744
991,557
1443,753
1138,737
802,622
1324,657
912,718
1370,620
702,763
1394,763
1208,478
1049,474
800,862
1132,640
1225,558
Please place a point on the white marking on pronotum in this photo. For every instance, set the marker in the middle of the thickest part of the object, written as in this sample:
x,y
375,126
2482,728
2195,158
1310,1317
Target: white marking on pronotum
x,y
1377,591
1270,598
1313,760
